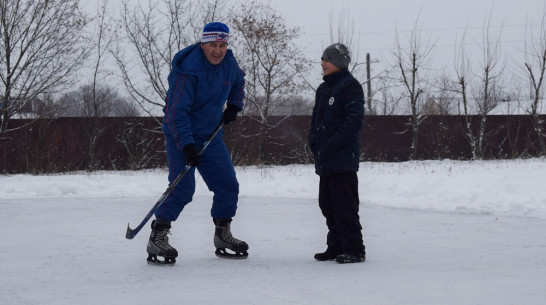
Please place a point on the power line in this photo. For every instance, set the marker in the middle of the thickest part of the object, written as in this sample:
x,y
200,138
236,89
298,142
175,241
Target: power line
x,y
436,29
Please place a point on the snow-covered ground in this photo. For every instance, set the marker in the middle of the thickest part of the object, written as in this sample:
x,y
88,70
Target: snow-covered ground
x,y
436,232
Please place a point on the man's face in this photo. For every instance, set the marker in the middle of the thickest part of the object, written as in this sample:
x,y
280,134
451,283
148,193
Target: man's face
x,y
214,51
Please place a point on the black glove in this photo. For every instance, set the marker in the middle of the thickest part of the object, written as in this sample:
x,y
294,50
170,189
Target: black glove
x,y
230,114
192,156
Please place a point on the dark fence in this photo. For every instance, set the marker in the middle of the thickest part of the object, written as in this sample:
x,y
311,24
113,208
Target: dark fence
x,y
74,144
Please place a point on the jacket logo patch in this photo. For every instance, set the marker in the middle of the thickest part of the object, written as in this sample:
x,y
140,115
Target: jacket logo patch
x,y
331,101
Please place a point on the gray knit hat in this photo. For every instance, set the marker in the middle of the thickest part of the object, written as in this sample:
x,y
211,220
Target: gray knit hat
x,y
338,54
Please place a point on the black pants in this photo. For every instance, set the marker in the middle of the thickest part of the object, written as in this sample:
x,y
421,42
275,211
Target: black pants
x,y
339,203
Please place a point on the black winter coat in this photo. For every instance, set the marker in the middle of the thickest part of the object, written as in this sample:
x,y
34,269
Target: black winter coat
x,y
338,114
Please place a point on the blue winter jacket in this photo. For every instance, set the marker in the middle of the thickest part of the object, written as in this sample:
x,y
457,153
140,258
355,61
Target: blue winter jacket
x,y
338,114
197,93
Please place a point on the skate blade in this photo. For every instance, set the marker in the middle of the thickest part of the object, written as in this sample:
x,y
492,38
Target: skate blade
x,y
153,260
223,253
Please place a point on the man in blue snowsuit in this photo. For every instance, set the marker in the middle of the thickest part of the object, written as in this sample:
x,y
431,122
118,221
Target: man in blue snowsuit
x,y
203,77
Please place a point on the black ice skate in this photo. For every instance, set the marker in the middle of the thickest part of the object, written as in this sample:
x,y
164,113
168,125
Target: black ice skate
x,y
158,245
224,240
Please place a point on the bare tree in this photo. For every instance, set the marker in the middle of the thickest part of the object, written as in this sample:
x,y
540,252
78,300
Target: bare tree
x,y
140,148
412,63
344,33
445,99
95,102
103,40
387,99
480,90
95,106
535,68
41,49
151,37
275,67
486,89
461,87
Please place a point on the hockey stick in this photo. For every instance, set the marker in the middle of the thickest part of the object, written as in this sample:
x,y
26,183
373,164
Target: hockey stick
x,y
131,233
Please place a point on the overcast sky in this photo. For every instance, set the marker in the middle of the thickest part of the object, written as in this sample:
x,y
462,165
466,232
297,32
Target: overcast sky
x,y
442,22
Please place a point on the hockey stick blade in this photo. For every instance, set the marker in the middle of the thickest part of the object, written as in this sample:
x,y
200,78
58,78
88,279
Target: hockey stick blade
x,y
131,233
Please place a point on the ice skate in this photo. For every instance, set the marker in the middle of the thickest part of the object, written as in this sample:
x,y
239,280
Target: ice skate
x,y
158,245
223,239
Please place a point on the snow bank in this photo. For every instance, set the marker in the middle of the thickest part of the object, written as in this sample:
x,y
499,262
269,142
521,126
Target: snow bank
x,y
509,187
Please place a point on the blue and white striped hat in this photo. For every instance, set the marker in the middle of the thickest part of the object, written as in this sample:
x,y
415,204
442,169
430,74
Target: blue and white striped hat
x,y
215,31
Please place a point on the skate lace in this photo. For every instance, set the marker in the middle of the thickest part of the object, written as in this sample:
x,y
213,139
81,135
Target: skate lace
x,y
162,240
228,237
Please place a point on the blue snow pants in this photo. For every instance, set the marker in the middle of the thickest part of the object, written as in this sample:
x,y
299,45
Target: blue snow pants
x,y
216,169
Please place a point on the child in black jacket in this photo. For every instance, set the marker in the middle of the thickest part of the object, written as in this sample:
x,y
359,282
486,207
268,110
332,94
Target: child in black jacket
x,y
334,139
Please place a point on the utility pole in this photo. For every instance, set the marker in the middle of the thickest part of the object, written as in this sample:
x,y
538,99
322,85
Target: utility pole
x,y
369,84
